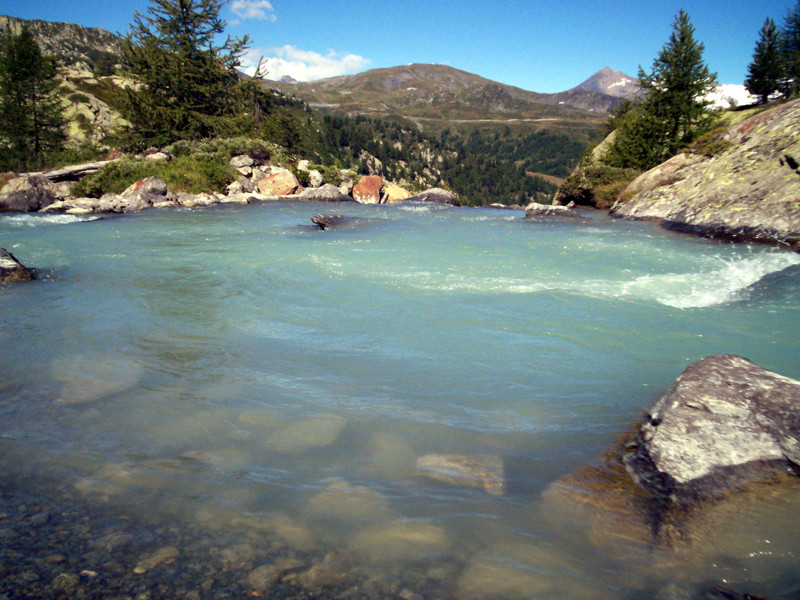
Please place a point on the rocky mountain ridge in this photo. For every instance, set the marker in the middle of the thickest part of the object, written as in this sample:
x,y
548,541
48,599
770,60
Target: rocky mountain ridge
x,y
414,90
75,46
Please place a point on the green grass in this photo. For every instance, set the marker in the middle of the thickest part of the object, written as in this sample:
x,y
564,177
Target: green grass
x,y
194,174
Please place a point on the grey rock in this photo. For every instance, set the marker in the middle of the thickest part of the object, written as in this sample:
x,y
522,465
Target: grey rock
x,y
534,210
194,200
13,270
243,160
315,178
145,193
747,191
28,194
436,195
326,193
725,422
326,221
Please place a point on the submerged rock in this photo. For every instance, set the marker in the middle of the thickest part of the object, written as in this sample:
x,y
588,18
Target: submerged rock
x,y
400,541
345,502
327,221
484,471
313,432
13,270
725,422
160,556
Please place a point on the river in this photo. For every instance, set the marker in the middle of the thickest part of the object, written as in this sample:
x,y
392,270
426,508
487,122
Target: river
x,y
259,392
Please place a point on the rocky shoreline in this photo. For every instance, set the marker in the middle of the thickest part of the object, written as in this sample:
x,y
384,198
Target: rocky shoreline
x,y
258,181
738,183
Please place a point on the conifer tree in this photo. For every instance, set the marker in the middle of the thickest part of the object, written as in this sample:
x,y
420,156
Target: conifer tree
x,y
32,121
186,86
766,72
673,109
790,42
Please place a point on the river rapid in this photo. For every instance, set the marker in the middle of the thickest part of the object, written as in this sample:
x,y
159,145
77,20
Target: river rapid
x,y
251,397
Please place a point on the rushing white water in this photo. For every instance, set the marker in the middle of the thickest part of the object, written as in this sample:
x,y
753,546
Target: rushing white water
x,y
39,220
235,367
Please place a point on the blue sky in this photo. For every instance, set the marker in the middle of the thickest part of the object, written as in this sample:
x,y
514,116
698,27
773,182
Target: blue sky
x,y
542,46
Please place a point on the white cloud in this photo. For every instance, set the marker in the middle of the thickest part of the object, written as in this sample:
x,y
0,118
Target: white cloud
x,y
303,65
254,9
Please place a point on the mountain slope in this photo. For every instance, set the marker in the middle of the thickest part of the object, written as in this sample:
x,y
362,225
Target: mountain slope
x,y
441,92
74,45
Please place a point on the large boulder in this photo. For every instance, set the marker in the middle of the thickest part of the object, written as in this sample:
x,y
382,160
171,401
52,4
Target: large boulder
x,y
28,193
725,422
326,193
393,193
436,195
368,190
744,184
11,269
146,193
281,183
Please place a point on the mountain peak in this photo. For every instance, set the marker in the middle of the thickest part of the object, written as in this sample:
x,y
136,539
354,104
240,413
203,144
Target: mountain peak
x,y
613,83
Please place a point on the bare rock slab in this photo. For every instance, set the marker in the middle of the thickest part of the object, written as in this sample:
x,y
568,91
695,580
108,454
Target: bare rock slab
x,y
725,422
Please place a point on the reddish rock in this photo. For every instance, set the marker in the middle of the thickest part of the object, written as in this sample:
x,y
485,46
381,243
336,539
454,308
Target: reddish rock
x,y
282,183
368,190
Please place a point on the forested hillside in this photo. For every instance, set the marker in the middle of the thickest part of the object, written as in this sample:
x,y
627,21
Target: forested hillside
x,y
483,161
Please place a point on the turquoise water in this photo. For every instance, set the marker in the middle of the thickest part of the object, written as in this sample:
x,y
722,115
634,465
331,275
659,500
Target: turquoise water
x,y
236,365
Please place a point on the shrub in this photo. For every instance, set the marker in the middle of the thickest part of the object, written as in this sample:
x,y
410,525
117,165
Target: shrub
x,y
712,143
194,174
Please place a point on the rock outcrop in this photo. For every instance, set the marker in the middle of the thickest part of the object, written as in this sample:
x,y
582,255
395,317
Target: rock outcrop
x,y
11,269
28,193
725,422
748,191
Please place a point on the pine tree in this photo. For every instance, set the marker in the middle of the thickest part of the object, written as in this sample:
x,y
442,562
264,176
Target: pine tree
x,y
673,110
766,72
32,121
186,86
790,43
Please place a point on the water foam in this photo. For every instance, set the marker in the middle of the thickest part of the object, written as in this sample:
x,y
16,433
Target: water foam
x,y
719,281
37,220
726,282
